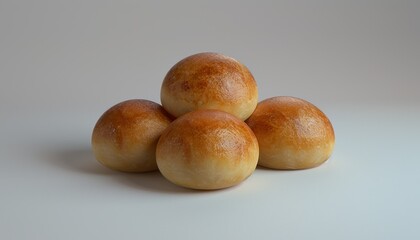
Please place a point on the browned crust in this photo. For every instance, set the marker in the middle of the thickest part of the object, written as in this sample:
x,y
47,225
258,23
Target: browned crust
x,y
207,149
119,123
292,123
206,80
211,133
126,135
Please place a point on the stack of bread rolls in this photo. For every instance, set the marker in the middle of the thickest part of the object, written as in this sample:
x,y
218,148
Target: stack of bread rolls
x,y
211,132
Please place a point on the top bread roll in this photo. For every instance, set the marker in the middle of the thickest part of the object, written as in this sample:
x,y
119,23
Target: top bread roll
x,y
209,81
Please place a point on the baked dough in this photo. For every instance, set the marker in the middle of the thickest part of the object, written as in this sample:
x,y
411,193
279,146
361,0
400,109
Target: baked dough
x,y
292,133
207,149
209,81
125,136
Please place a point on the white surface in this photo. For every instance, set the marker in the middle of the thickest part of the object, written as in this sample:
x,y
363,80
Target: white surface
x,y
64,63
52,188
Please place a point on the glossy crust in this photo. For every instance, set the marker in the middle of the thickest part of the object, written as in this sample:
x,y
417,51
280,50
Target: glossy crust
x,y
207,149
125,136
209,81
292,133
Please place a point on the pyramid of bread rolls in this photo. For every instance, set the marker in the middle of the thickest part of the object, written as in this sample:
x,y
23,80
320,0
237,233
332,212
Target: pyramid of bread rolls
x,y
211,132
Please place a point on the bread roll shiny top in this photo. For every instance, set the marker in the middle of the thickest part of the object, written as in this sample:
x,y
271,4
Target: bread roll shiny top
x,y
304,121
209,81
121,121
195,135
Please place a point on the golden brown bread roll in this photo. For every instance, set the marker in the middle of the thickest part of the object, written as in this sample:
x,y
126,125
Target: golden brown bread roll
x,y
207,149
209,81
125,136
292,133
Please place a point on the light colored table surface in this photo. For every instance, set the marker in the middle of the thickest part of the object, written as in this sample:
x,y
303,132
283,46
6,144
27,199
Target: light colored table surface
x,y
63,64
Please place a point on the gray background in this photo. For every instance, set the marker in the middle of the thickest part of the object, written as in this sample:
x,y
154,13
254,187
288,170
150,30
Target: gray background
x,y
63,63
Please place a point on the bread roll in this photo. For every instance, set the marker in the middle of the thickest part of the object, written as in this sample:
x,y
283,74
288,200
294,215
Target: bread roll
x,y
125,136
209,81
292,133
207,149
